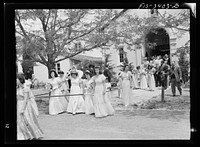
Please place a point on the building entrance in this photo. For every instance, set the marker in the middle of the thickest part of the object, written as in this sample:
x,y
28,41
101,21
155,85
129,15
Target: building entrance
x,y
157,42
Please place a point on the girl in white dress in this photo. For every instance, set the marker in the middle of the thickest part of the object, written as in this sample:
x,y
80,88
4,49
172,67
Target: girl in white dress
x,y
143,79
134,78
150,78
64,85
126,86
27,84
27,124
76,103
102,106
108,90
88,88
56,104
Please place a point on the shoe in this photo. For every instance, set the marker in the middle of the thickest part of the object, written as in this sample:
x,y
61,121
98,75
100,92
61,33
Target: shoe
x,y
180,93
174,95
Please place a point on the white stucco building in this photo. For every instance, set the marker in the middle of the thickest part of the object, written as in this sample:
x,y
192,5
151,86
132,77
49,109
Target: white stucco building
x,y
137,54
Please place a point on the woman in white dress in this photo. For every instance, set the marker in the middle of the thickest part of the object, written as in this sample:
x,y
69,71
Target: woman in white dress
x,y
76,103
27,124
56,104
108,96
126,86
64,85
150,77
88,89
27,84
102,106
134,78
143,79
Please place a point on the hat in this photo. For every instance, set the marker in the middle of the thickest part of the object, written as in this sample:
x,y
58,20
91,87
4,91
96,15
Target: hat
x,y
61,72
73,72
52,70
97,66
87,71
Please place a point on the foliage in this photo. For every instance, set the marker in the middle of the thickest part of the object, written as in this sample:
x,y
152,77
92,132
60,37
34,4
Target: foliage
x,y
27,68
184,63
47,34
134,29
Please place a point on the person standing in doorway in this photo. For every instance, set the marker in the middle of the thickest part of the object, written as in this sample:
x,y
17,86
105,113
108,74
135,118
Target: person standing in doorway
x,y
175,78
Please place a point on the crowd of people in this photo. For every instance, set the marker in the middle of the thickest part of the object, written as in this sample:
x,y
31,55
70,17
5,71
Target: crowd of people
x,y
89,95
71,93
152,73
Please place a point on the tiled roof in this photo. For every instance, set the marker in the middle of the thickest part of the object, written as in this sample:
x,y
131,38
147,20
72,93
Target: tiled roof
x,y
84,57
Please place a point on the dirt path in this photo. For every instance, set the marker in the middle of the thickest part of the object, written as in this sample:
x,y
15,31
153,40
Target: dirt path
x,y
127,124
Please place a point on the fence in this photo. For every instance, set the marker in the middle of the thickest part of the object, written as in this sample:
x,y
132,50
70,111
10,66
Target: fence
x,y
49,95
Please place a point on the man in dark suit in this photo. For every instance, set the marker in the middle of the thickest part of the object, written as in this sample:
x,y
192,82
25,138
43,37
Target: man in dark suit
x,y
175,78
164,73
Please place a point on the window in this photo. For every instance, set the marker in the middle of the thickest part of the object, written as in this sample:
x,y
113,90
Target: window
x,y
58,67
121,55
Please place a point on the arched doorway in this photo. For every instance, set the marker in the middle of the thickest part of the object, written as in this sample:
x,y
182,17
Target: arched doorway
x,y
157,42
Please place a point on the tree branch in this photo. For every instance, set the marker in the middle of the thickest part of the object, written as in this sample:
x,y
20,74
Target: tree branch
x,y
78,52
44,61
48,18
169,25
114,18
20,25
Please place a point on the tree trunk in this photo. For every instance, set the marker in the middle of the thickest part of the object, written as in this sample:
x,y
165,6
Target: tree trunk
x,y
50,66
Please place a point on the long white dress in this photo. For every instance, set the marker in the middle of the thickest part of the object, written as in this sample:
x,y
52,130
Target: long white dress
x,y
64,87
108,99
151,80
27,84
143,79
126,87
134,79
56,104
102,106
27,124
76,103
89,106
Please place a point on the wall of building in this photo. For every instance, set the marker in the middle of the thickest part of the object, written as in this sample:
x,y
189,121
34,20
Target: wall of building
x,y
41,72
134,56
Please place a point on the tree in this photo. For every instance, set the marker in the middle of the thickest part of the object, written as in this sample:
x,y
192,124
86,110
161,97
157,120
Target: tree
x,y
134,29
184,63
58,32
